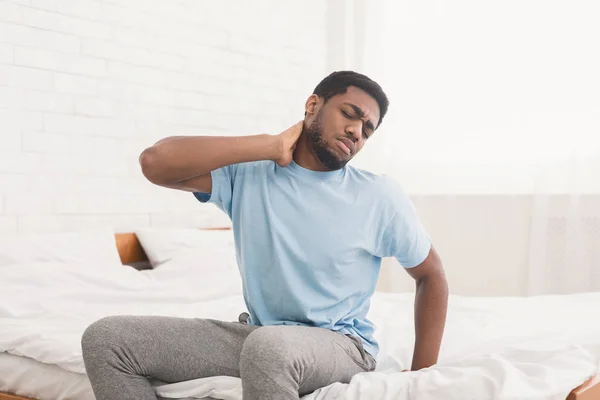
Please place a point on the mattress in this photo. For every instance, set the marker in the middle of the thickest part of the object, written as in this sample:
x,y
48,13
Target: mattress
x,y
28,377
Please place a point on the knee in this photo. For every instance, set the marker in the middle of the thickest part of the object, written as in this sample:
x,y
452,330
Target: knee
x,y
98,337
266,348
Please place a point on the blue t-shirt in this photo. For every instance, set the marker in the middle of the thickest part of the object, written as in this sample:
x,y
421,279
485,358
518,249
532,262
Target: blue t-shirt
x,y
309,244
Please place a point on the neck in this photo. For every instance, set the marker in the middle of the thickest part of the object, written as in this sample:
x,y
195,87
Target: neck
x,y
304,156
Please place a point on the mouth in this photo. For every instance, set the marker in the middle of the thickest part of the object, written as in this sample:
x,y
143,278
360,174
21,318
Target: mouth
x,y
346,145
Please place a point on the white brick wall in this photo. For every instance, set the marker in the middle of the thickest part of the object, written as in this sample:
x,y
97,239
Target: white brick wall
x,y
86,85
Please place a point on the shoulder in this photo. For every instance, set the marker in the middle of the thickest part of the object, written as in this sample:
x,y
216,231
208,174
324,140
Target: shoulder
x,y
263,166
385,189
381,184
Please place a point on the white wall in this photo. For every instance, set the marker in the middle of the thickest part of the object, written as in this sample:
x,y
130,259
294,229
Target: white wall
x,y
86,85
486,97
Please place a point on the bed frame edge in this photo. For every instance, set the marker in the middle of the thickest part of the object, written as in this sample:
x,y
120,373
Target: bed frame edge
x,y
589,390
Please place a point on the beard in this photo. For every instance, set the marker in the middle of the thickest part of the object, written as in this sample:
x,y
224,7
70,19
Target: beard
x,y
314,134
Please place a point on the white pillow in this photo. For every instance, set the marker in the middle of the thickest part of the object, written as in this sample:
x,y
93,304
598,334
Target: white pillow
x,y
211,276
204,260
162,245
86,247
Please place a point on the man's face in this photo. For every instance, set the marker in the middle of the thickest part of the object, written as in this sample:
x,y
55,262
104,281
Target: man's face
x,y
337,130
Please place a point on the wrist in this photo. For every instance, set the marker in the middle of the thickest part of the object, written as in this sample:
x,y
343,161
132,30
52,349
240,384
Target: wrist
x,y
273,146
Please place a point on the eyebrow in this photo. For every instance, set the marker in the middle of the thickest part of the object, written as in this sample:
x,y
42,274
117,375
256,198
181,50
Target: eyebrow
x,y
361,114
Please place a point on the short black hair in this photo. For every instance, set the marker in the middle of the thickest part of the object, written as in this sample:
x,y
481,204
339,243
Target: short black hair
x,y
337,83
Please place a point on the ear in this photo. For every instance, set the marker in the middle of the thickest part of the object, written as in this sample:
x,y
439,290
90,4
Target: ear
x,y
312,104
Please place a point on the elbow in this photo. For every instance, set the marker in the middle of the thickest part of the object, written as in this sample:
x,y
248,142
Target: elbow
x,y
149,162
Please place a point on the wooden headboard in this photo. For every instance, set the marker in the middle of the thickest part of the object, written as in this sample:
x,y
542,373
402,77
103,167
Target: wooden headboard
x,y
131,250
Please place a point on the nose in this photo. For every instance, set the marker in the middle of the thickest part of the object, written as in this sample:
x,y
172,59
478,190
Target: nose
x,y
354,131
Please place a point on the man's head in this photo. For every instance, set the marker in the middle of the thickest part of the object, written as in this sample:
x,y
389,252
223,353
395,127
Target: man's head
x,y
344,110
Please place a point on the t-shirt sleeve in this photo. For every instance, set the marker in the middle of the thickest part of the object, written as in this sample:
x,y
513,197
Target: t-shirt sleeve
x,y
221,195
404,236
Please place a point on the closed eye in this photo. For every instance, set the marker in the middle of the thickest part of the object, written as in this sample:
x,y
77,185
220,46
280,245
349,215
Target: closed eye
x,y
364,132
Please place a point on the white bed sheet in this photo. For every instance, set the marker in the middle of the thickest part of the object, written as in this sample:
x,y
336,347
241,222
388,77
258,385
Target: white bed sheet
x,y
494,348
28,377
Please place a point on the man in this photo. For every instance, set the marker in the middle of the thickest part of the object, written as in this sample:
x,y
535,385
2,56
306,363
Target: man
x,y
310,232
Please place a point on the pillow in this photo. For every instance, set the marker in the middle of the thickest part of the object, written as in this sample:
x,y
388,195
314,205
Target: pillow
x,y
86,247
209,276
162,245
203,260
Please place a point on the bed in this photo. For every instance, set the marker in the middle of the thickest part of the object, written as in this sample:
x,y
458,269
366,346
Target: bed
x,y
27,370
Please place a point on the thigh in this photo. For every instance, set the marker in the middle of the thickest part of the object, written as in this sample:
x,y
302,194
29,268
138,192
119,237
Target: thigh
x,y
319,356
171,349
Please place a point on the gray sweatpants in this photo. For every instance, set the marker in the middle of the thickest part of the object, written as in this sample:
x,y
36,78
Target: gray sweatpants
x,y
122,353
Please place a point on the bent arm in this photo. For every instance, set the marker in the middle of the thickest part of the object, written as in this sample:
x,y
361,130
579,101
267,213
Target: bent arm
x,y
185,162
431,304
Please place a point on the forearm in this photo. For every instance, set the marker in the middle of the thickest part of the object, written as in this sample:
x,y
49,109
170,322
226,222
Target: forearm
x,y
179,158
431,304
